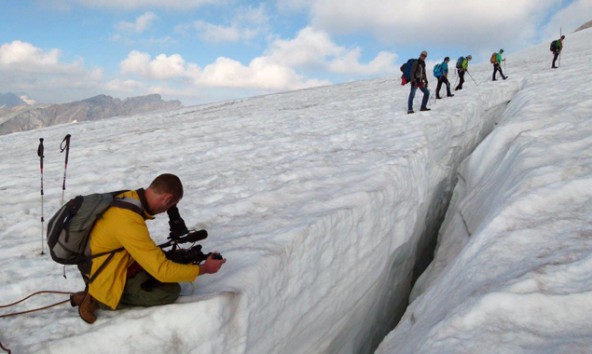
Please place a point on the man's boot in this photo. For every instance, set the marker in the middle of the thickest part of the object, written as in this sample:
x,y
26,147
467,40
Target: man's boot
x,y
87,309
76,298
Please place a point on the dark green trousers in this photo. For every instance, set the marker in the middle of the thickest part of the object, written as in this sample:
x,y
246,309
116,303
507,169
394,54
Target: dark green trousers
x,y
159,294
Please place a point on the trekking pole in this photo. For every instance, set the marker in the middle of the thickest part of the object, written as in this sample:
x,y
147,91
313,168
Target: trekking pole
x,y
65,145
560,34
40,154
472,78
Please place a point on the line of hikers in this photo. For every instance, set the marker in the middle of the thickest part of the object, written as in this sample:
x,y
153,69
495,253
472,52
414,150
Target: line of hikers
x,y
414,72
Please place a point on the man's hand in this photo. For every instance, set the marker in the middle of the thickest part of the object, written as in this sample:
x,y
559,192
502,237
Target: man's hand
x,y
212,264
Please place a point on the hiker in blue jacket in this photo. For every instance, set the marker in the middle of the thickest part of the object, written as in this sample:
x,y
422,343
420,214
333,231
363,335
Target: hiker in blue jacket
x,y
442,76
419,80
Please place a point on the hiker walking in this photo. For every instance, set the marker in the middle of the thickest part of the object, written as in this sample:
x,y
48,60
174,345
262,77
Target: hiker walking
x,y
441,73
496,60
120,277
419,80
556,47
462,66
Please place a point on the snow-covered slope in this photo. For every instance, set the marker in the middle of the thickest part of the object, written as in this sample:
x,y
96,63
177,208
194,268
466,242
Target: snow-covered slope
x,y
513,268
322,201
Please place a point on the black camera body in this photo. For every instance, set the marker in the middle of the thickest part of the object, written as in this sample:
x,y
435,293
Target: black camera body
x,y
177,254
191,255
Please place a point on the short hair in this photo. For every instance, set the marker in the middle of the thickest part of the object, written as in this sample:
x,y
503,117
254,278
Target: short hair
x,y
447,58
562,37
168,183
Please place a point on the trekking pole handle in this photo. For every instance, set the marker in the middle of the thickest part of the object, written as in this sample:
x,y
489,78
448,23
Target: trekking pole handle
x,y
65,145
40,151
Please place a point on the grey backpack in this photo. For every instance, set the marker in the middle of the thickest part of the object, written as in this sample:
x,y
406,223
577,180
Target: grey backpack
x,y
69,229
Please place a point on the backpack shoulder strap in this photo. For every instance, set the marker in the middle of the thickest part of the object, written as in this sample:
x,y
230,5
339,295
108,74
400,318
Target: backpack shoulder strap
x,y
129,204
124,203
132,204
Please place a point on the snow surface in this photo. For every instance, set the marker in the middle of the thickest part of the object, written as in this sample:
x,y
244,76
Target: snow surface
x,y
513,266
323,201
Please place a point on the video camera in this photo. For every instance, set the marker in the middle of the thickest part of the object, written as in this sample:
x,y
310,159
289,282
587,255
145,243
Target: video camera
x,y
179,235
193,254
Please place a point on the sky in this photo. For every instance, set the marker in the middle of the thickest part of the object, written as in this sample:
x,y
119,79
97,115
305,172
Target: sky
x,y
319,200
199,51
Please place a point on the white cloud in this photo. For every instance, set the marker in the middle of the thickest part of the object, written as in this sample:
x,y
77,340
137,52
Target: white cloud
x,y
314,49
216,33
27,100
282,67
569,18
382,64
24,67
20,55
162,67
127,86
247,24
43,75
141,24
293,5
139,4
309,48
466,23
260,73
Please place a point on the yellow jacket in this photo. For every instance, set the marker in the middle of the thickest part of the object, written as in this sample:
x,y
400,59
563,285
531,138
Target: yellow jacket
x,y
118,228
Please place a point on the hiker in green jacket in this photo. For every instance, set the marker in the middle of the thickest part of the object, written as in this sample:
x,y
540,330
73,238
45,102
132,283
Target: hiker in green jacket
x,y
556,47
462,66
497,64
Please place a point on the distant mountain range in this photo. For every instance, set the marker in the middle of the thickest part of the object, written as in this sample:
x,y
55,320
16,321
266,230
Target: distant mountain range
x,y
584,26
17,115
11,100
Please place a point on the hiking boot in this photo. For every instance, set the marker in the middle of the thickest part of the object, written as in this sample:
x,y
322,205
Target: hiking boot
x,y
87,309
438,97
76,298
451,95
424,109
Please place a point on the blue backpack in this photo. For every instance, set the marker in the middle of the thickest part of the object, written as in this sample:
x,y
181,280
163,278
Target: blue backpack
x,y
438,70
406,70
459,62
